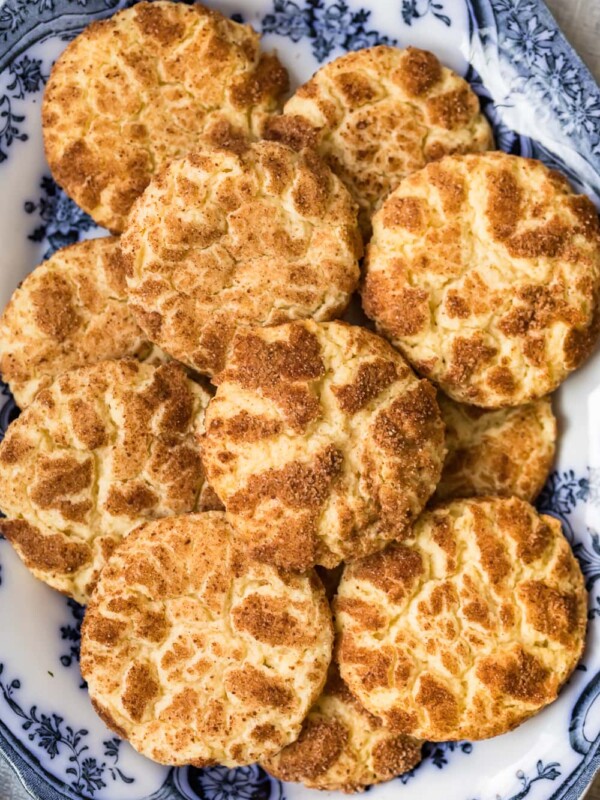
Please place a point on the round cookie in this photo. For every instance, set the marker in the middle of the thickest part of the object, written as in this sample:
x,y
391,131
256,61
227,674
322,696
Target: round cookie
x,y
342,747
198,655
321,443
470,628
222,240
504,452
134,91
378,114
484,270
69,312
98,451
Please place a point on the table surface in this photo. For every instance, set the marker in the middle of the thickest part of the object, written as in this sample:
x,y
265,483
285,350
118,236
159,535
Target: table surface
x,y
580,20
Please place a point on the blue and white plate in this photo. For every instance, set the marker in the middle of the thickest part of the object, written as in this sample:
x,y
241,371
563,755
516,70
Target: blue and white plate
x,y
543,103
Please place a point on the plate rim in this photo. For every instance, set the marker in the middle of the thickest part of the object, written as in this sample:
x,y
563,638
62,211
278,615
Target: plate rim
x,y
48,787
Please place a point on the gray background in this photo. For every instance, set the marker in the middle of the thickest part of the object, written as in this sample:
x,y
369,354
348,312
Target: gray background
x,y
580,20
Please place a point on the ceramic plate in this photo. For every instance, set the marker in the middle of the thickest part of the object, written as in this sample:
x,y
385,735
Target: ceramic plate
x,y
543,103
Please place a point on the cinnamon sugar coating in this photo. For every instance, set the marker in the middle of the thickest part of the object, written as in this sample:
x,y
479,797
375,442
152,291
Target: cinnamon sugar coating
x,y
378,114
504,452
342,747
221,241
145,86
468,628
97,452
484,270
321,443
197,654
70,312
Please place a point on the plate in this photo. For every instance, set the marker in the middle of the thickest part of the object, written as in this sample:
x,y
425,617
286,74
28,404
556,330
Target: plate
x,y
542,102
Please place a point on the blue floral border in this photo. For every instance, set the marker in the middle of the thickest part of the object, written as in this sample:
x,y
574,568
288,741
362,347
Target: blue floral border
x,y
563,492
545,78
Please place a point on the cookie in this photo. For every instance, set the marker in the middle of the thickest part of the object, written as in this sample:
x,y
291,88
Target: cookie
x,y
97,452
378,114
71,311
223,240
342,747
468,629
321,443
484,270
134,91
505,452
196,654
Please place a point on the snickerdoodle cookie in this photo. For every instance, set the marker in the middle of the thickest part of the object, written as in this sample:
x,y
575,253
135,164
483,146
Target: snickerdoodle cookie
x,y
223,240
378,114
321,443
484,270
198,655
468,628
342,747
69,312
134,91
97,452
504,452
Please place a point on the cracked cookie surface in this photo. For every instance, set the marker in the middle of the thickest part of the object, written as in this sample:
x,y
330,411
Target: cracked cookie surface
x,y
197,654
342,747
71,311
321,443
134,91
224,240
97,452
504,452
484,270
378,114
468,628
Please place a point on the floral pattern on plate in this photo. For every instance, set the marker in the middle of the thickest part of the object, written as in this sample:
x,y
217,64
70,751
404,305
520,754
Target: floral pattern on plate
x,y
542,103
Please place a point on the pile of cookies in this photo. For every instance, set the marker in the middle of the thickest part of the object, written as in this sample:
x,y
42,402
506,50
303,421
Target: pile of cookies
x,y
200,431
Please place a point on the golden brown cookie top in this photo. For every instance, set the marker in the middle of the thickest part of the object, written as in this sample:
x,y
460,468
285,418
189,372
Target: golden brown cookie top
x,y
485,271
71,311
342,747
134,91
222,240
468,628
378,114
321,442
198,655
97,452
504,452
